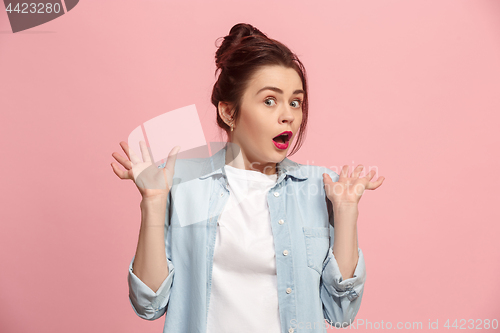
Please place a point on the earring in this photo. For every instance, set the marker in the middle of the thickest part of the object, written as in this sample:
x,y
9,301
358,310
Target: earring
x,y
231,127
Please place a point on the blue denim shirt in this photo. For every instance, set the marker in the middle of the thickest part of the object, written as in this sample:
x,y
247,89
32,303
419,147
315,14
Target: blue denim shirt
x,y
310,285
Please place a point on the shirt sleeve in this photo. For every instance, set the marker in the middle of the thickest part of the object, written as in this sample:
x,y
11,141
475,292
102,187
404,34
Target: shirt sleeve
x,y
341,298
146,303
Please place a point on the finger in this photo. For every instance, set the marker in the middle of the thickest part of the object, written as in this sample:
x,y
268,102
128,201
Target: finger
x,y
376,184
130,153
327,179
146,157
344,172
357,171
370,175
329,183
125,148
172,156
120,173
123,161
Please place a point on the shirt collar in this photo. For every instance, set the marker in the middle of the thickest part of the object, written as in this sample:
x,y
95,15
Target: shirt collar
x,y
215,165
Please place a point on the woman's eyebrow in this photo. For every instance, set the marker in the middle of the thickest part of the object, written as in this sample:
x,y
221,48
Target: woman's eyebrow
x,y
278,90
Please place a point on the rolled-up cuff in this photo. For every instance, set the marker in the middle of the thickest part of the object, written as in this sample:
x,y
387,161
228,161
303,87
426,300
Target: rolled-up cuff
x,y
146,303
336,286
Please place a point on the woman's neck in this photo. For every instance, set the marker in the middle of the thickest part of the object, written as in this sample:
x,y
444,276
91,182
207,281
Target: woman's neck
x,y
236,158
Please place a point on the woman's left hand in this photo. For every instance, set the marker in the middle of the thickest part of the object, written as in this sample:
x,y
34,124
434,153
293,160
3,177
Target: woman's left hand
x,y
348,190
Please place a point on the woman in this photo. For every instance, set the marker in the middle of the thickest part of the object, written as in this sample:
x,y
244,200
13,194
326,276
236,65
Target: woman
x,y
243,241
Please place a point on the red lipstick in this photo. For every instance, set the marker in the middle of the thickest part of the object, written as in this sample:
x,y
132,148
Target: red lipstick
x,y
281,140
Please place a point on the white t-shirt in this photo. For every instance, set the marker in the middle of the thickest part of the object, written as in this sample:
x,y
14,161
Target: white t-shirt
x,y
244,295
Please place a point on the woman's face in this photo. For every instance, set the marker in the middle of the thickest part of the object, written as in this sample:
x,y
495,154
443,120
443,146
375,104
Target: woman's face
x,y
271,105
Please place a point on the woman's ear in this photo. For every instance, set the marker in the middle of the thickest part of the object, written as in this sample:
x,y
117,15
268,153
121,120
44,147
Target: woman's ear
x,y
226,112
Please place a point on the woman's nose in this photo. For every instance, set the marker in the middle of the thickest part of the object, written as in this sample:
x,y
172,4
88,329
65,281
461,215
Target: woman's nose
x,y
287,115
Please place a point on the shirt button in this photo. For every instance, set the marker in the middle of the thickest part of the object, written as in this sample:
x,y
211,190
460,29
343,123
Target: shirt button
x,y
222,194
285,253
288,290
281,221
276,194
290,330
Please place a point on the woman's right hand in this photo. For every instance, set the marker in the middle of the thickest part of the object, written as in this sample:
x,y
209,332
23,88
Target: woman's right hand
x,y
151,181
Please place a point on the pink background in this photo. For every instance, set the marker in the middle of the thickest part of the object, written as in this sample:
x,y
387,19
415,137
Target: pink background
x,y
409,87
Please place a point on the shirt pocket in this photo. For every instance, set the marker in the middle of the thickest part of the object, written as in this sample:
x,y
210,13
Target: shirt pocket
x,y
317,243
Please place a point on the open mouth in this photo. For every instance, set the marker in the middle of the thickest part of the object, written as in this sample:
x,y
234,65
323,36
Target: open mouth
x,y
281,140
283,137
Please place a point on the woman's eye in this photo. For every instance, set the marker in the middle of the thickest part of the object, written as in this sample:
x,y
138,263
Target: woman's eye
x,y
269,99
299,102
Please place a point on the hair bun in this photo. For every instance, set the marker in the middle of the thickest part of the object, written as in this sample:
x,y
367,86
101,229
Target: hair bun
x,y
241,30
237,34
